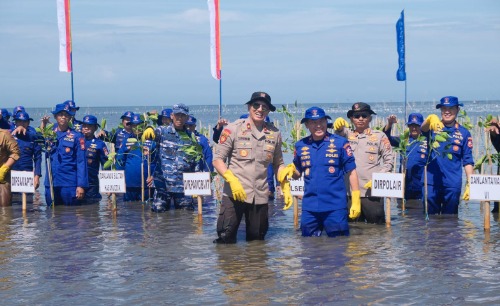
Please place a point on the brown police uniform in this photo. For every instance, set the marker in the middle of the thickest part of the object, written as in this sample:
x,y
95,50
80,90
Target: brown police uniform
x,y
8,149
248,152
373,154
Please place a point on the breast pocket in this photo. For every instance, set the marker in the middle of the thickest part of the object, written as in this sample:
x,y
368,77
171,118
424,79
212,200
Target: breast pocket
x,y
332,167
67,147
244,150
371,157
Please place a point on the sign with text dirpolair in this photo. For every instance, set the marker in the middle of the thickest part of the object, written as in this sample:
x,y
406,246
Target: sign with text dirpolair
x,y
197,183
112,181
22,181
485,187
389,185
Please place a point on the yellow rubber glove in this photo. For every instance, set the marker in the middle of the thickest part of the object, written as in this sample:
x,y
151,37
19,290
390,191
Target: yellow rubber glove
x,y
466,195
286,173
3,173
149,133
340,123
368,185
239,193
287,195
355,210
434,122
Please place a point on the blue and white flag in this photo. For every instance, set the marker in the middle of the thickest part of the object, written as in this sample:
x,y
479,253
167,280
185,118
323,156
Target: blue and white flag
x,y
400,36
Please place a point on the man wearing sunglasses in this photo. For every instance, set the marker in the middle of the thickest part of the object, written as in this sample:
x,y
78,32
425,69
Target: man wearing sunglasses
x,y
373,154
249,146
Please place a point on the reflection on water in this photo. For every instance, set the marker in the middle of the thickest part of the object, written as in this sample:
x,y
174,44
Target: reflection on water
x,y
86,254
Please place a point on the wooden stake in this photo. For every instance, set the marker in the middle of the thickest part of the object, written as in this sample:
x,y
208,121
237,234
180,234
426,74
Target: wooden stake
x,y
296,211
24,201
487,216
200,202
388,212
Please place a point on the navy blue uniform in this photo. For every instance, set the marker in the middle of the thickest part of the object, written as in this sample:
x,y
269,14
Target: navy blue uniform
x,y
131,157
416,153
96,154
206,161
444,175
69,167
30,154
119,139
324,164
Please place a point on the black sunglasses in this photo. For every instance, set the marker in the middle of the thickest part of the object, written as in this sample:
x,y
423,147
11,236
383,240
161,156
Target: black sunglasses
x,y
364,116
257,105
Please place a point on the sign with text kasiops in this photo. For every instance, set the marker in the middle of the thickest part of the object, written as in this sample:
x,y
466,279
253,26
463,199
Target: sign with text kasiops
x,y
485,187
389,185
112,181
197,183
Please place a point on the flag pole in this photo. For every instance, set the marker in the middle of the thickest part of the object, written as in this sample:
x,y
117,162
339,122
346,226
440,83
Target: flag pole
x,y
72,88
406,101
220,94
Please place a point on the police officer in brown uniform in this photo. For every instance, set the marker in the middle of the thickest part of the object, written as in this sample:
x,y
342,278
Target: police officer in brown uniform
x,y
249,146
9,154
373,154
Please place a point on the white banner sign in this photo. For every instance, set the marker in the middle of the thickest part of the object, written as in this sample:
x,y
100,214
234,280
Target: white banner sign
x,y
485,187
22,181
197,183
390,185
112,181
297,186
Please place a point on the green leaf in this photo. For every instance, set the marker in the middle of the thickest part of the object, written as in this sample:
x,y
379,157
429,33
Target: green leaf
x,y
449,155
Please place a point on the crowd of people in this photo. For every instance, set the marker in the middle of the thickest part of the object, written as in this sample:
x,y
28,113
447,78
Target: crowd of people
x,y
336,160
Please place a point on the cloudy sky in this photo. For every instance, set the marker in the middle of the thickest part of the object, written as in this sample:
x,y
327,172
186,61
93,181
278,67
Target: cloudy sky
x,y
156,52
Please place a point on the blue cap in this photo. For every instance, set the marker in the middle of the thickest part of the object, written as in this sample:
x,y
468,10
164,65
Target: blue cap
x,y
5,113
164,113
127,114
245,116
314,113
18,109
23,116
71,104
136,119
191,121
89,119
180,109
448,101
62,107
415,118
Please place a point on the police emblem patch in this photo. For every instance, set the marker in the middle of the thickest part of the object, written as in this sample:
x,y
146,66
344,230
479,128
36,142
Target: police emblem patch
x,y
67,150
331,169
469,142
307,172
455,148
371,157
243,153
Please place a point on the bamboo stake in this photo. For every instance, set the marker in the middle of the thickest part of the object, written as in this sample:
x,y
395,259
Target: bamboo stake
x,y
388,212
296,211
200,202
51,183
24,201
487,216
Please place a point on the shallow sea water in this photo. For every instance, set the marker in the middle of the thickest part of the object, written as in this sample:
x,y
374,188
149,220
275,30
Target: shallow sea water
x,y
87,255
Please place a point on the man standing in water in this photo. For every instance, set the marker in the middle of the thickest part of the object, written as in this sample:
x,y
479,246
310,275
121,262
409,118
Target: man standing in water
x,y
444,172
373,154
249,146
9,154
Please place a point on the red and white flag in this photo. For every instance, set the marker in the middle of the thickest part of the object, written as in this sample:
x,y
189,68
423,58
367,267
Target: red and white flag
x,y
215,58
64,24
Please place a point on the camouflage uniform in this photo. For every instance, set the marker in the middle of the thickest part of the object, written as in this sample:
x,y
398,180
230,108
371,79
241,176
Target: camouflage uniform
x,y
172,162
